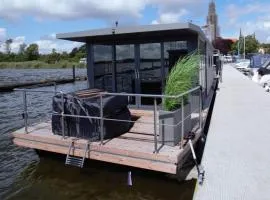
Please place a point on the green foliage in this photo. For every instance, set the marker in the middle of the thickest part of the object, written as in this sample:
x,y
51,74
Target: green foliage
x,y
32,52
29,57
36,64
183,77
8,42
252,45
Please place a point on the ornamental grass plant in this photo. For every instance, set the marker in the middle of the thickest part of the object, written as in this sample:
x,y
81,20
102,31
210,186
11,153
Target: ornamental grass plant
x,y
183,77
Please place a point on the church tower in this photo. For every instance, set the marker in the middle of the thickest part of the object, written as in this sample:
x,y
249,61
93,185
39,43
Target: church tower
x,y
212,21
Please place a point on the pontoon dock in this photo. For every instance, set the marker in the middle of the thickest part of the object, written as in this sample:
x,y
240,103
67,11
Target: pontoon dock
x,y
135,148
236,157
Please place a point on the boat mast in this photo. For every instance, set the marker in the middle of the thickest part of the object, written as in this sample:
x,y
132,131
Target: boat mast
x,y
244,47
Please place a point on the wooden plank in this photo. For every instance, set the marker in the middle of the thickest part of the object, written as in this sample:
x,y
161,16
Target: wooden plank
x,y
137,112
140,149
101,156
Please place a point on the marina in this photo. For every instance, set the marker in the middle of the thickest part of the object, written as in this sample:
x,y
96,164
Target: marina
x,y
136,106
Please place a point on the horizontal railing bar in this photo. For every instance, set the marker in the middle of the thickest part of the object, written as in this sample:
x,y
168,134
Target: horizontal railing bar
x,y
120,120
33,90
152,95
120,94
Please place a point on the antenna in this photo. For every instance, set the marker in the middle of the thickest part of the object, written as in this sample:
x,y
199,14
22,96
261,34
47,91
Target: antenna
x,y
116,23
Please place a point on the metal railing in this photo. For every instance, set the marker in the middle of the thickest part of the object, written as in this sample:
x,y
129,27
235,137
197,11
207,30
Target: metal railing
x,y
103,118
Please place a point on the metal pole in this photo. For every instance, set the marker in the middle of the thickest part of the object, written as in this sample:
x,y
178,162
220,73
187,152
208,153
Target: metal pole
x,y
200,108
182,123
101,120
73,72
25,112
244,47
55,88
155,123
62,114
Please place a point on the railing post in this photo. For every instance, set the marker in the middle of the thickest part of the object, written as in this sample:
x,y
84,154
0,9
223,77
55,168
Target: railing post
x,y
101,120
62,114
182,122
25,112
54,88
200,108
155,124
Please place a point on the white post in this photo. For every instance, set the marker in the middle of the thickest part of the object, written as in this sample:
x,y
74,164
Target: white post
x,y
244,47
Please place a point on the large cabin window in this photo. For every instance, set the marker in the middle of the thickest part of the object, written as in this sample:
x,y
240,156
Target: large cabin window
x,y
103,67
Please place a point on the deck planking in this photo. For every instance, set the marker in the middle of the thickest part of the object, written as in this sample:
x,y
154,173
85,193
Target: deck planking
x,y
134,148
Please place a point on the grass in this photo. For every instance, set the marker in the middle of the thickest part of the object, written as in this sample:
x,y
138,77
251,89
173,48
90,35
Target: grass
x,y
183,77
38,65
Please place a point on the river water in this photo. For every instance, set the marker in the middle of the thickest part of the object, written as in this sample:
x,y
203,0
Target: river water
x,y
25,176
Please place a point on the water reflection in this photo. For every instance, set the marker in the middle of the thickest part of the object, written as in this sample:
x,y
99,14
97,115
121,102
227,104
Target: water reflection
x,y
50,179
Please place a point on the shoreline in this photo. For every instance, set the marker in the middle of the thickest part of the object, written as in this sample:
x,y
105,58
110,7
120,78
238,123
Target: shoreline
x,y
40,65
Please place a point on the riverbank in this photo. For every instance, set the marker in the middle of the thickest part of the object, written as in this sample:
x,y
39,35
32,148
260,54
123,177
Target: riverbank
x,y
39,65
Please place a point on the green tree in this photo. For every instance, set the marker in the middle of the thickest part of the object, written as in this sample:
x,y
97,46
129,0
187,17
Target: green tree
x,y
8,43
252,45
32,52
22,48
53,57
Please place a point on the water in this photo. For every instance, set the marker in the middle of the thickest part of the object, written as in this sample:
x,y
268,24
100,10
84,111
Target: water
x,y
24,75
23,175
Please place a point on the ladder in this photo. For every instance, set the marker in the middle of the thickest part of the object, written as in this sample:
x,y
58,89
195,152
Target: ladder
x,y
74,160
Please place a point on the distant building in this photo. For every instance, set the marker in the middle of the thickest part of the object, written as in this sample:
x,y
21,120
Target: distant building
x,y
211,28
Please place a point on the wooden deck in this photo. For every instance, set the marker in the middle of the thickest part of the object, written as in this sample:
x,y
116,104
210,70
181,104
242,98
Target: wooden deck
x,y
135,148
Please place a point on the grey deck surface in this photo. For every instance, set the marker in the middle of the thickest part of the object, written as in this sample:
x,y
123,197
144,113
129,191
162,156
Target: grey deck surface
x,y
237,152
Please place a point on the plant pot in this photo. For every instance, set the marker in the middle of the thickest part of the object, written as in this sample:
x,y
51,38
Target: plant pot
x,y
169,134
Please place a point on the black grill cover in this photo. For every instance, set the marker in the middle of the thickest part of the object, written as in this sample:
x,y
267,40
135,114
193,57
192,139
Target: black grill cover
x,y
87,103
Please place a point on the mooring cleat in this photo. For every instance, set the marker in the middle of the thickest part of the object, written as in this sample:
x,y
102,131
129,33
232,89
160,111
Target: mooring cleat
x,y
201,176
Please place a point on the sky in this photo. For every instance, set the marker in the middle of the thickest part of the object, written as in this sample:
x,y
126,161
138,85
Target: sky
x,y
38,21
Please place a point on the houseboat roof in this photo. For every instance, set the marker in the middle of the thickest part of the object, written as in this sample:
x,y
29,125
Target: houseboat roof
x,y
134,34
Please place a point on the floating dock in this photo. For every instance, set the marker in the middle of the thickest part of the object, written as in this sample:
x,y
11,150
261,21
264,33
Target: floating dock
x,y
236,157
135,148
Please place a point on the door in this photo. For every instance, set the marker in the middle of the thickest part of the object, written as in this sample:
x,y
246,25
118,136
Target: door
x,y
149,72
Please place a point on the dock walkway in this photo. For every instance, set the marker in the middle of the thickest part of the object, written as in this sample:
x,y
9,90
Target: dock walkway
x,y
236,158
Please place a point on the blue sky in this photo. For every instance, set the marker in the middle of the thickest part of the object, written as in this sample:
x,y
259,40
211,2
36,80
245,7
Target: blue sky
x,y
33,21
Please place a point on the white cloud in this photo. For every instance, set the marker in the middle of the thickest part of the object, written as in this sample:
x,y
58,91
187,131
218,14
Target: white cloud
x,y
16,42
46,46
170,17
239,16
70,9
3,33
46,43
77,9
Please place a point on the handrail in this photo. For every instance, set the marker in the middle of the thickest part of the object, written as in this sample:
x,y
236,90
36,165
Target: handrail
x,y
118,94
102,117
152,95
32,90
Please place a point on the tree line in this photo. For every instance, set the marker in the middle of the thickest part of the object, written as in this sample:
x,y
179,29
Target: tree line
x,y
227,46
31,53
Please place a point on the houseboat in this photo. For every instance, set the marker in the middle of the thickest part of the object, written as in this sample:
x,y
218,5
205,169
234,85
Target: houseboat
x,y
132,63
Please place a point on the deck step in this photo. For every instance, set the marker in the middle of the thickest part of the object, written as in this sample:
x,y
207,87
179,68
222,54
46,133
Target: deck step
x,y
74,160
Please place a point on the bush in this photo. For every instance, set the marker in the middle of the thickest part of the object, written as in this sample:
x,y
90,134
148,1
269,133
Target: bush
x,y
183,77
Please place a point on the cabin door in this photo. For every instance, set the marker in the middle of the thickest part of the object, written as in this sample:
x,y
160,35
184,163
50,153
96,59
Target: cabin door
x,y
126,70
148,72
